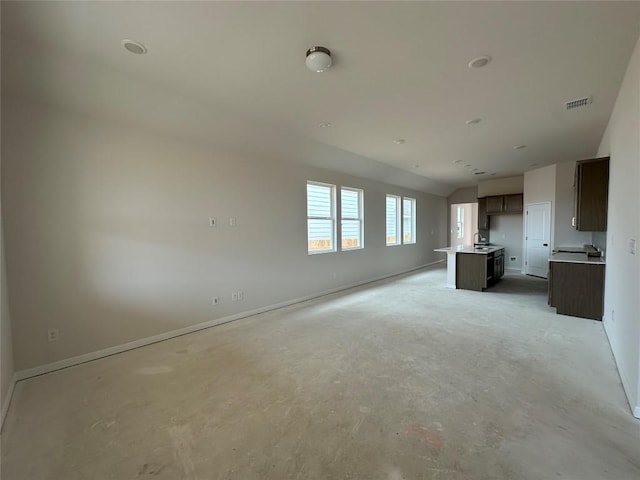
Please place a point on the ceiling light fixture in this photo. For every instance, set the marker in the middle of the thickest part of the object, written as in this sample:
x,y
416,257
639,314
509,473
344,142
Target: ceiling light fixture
x,y
134,47
519,147
318,59
325,125
458,161
533,164
479,61
473,121
480,173
400,141
415,165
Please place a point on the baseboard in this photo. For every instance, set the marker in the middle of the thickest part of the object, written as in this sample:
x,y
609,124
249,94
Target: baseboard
x,y
107,352
6,401
635,409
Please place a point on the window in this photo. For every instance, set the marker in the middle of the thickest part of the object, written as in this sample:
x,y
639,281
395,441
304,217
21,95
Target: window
x,y
408,220
321,218
393,220
352,218
460,222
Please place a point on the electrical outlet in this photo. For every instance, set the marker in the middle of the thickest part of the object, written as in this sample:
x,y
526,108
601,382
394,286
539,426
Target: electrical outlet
x,y
53,334
513,259
234,297
216,300
240,296
632,246
212,222
232,221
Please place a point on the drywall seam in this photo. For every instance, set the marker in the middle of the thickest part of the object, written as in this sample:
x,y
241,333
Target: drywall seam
x,y
635,409
6,401
87,357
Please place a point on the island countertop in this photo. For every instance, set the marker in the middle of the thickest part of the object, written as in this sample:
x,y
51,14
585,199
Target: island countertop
x,y
469,249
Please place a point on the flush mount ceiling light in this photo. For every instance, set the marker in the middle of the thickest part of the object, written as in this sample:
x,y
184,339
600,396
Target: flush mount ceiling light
x,y
473,121
318,59
134,47
479,61
400,141
519,147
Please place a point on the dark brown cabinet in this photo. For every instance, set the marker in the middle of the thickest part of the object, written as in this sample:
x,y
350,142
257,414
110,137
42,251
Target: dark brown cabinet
x,y
577,289
483,218
591,190
498,204
478,271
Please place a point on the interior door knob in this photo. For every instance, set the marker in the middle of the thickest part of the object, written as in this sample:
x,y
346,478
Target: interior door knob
x,y
545,244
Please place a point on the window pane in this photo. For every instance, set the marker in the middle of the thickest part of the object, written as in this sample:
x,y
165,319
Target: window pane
x,y
392,221
350,203
408,220
318,200
320,235
351,234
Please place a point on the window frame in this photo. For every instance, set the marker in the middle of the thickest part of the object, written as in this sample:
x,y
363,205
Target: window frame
x,y
332,211
359,218
398,214
413,216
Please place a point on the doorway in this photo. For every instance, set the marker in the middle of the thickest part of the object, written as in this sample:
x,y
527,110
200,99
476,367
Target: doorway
x,y
537,239
464,223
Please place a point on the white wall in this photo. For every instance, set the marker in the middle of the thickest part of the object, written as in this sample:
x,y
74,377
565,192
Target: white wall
x,y
565,234
622,285
501,186
108,241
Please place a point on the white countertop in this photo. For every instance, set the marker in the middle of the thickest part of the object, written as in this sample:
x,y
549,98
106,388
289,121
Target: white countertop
x,y
469,249
575,258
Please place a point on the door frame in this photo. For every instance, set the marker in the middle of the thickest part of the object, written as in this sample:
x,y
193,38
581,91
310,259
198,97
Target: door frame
x,y
525,226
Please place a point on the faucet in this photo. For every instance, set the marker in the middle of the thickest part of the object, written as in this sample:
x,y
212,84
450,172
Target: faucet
x,y
475,242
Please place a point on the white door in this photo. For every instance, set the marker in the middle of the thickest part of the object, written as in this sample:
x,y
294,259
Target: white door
x,y
537,239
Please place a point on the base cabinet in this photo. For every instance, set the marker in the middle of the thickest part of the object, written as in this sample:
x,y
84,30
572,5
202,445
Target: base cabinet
x,y
577,289
479,271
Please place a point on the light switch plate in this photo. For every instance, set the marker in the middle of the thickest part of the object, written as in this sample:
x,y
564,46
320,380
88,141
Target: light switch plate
x,y
632,246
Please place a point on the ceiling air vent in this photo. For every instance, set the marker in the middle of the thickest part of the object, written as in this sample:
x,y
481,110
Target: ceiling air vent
x,y
580,102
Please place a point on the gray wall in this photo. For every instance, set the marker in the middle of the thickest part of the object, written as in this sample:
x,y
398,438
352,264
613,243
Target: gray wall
x,y
6,346
108,240
506,230
622,283
463,195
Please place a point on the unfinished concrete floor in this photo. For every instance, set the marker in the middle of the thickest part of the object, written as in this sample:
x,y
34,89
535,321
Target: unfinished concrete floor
x,y
402,379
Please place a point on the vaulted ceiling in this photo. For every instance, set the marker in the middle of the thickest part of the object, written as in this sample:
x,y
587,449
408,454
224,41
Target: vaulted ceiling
x,y
234,73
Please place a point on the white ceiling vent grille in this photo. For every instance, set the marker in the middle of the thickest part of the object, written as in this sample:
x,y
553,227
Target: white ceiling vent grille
x,y
580,102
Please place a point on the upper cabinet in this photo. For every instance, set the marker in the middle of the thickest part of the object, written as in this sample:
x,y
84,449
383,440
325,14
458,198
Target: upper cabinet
x,y
497,204
591,189
483,218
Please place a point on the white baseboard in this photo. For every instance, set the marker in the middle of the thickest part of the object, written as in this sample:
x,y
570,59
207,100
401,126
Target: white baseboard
x,y
6,401
87,357
635,409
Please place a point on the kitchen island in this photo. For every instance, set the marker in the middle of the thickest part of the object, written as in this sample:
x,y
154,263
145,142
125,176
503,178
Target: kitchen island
x,y
473,267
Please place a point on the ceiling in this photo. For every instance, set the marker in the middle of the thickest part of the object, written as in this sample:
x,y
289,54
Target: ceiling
x,y
234,73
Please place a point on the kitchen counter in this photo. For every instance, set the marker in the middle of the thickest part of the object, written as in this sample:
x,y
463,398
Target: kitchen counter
x,y
575,257
469,249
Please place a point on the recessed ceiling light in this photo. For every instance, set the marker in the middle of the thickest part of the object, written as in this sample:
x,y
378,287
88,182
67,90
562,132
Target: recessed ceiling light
x,y
473,121
519,147
533,164
474,169
479,61
416,165
134,47
399,141
467,166
492,174
458,161
480,173
325,125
